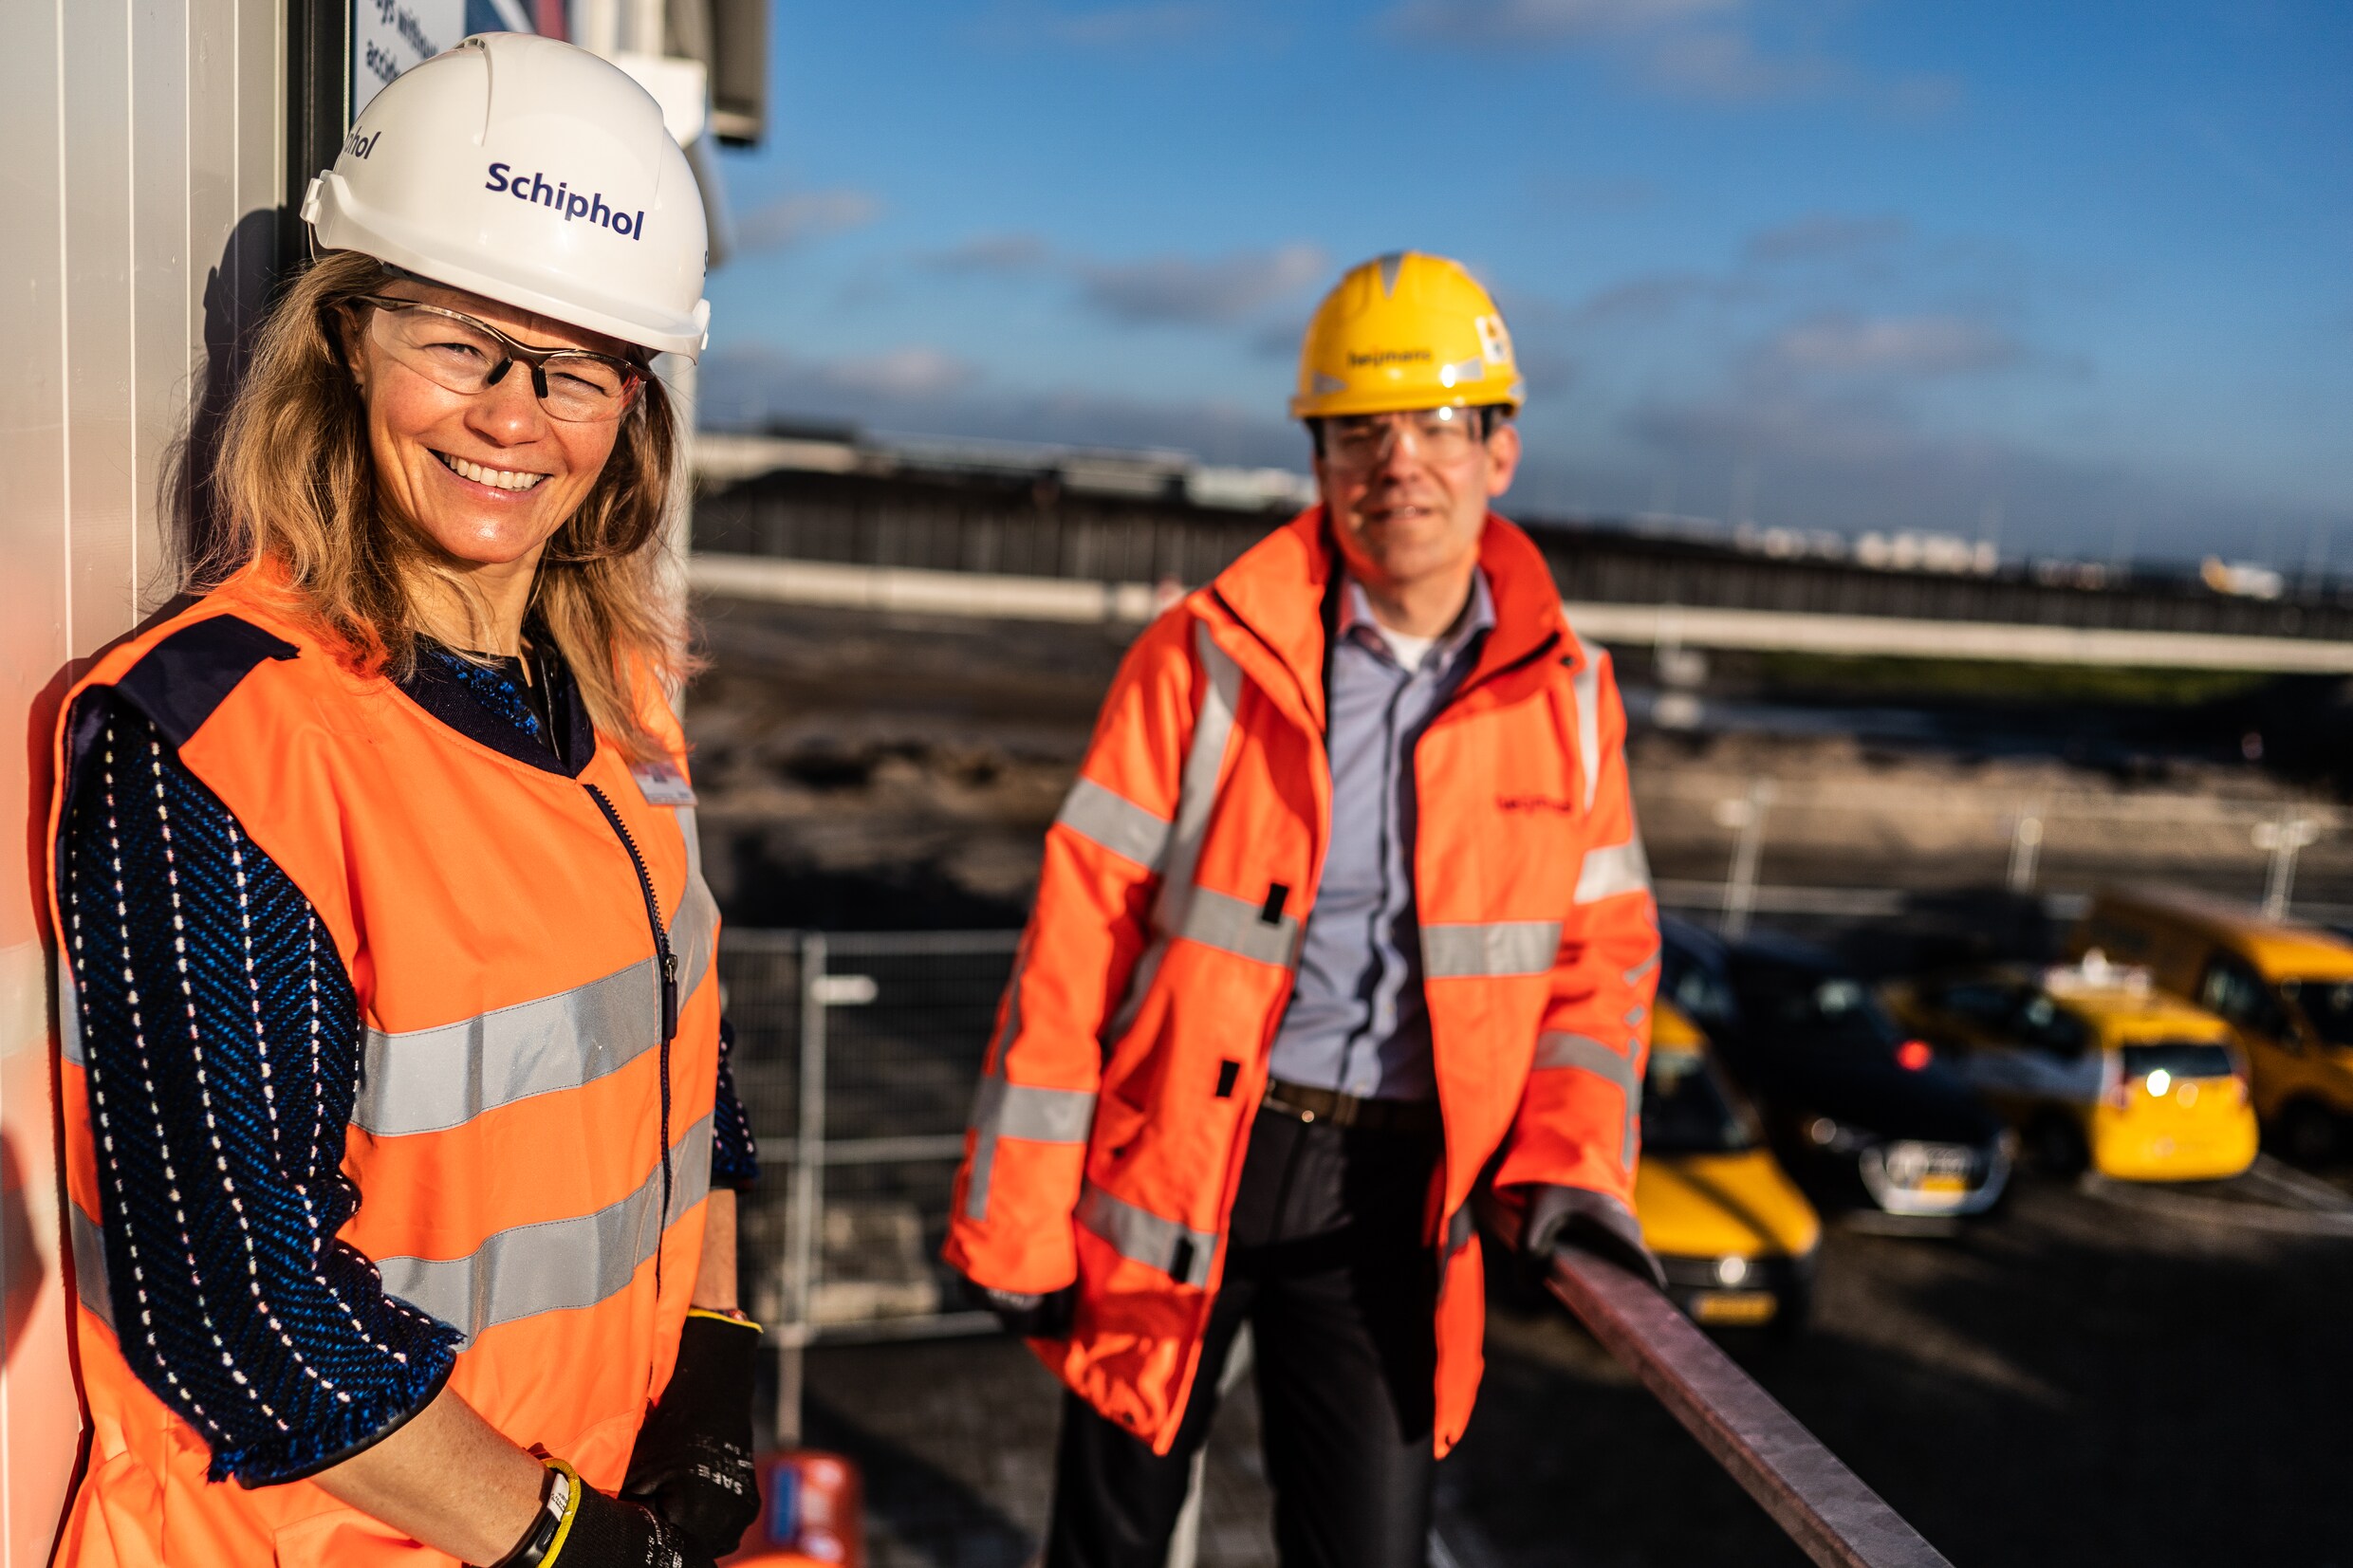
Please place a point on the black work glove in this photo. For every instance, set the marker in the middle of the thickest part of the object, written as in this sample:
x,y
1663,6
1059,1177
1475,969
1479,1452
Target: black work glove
x,y
609,1533
1554,1217
1046,1316
692,1462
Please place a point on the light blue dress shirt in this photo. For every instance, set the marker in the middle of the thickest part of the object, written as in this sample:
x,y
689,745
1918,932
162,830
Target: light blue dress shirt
x,y
1358,1021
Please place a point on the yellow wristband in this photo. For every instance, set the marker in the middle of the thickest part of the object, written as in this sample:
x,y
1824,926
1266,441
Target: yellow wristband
x,y
571,1510
736,1317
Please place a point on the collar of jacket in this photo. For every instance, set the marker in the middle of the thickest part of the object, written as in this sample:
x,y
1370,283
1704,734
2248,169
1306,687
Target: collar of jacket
x,y
1267,611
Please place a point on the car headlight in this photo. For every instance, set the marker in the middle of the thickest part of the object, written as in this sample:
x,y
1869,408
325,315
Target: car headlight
x,y
1823,1133
1730,1269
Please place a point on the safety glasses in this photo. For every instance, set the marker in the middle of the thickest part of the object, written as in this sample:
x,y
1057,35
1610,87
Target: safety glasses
x,y
1360,441
453,350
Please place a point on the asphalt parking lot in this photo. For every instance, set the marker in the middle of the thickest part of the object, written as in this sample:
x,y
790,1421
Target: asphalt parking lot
x,y
2148,1376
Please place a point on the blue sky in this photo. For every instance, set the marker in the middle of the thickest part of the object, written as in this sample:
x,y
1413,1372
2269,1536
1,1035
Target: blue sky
x,y
2079,274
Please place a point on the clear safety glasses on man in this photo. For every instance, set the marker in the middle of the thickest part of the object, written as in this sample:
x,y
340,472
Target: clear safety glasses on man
x,y
1357,441
455,350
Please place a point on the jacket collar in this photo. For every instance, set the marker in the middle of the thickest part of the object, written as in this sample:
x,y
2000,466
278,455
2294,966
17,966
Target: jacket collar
x,y
1273,596
483,705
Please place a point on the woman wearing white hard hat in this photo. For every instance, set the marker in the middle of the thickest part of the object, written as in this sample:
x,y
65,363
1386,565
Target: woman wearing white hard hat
x,y
398,1134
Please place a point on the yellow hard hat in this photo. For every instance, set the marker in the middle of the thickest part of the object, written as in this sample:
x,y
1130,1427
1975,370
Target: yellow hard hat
x,y
1405,331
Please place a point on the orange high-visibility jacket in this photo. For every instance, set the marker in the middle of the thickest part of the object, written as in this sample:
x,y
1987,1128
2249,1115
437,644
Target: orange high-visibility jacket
x,y
513,1140
1130,1049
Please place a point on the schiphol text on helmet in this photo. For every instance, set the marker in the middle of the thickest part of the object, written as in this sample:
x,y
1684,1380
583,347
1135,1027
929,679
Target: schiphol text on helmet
x,y
534,187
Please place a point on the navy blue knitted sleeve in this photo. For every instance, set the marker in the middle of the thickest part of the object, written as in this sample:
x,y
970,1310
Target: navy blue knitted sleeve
x,y
735,1157
221,1037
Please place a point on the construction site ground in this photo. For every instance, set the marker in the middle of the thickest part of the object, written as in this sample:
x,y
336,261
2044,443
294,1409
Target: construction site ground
x,y
2088,1376
865,771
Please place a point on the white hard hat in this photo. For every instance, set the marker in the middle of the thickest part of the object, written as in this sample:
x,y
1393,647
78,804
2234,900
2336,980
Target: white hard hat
x,y
528,171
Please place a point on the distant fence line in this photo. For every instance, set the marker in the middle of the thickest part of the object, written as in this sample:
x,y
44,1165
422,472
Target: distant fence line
x,y
1029,525
1005,596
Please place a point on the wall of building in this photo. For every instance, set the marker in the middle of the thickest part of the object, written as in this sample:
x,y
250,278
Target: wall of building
x,y
144,170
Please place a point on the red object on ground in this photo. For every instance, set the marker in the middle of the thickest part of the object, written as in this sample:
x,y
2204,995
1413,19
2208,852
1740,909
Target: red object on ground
x,y
1915,1055
810,1514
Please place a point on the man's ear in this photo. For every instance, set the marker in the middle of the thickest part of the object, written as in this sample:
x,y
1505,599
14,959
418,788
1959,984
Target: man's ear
x,y
1503,458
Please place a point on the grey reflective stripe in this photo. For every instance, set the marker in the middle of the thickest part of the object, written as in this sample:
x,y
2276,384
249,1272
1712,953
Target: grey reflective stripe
x,y
68,1012
1237,926
89,1259
1499,948
556,1266
1112,820
1607,873
694,926
1585,683
1587,1055
1458,1230
428,1081
1042,1116
1205,759
984,1146
425,1081
1636,973
1140,1236
1001,1110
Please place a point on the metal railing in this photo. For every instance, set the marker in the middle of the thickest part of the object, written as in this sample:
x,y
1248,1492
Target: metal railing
x,y
1824,1506
857,1056
2050,844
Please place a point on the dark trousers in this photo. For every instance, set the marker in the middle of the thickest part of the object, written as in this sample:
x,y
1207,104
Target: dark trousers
x,y
1326,1263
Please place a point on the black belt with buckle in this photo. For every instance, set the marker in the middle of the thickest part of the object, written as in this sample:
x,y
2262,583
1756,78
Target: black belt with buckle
x,y
1301,1104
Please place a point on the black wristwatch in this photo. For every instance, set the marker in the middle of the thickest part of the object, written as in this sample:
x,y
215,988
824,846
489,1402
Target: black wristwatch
x,y
557,1498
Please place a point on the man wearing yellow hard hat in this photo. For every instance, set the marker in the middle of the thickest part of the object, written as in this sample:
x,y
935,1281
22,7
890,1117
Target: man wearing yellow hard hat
x,y
1343,933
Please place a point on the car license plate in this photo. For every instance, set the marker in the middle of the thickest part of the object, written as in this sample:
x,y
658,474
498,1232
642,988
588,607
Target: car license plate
x,y
1734,1307
1941,1168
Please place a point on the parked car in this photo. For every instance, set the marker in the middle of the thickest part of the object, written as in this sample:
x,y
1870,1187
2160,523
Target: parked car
x,y
2286,988
1737,1239
1860,1112
2095,1067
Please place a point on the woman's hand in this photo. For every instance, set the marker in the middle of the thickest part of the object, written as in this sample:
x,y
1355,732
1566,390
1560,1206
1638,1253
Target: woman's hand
x,y
693,1459
446,1478
449,1480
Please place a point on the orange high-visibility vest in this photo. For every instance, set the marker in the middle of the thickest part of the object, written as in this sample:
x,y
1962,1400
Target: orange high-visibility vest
x,y
1132,1044
508,1134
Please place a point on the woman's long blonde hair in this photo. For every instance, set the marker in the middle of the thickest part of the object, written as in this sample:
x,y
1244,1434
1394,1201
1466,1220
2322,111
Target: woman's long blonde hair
x,y
296,487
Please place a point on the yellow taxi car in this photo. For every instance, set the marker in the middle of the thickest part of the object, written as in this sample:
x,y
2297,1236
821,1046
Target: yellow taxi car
x,y
1735,1236
2286,988
2097,1067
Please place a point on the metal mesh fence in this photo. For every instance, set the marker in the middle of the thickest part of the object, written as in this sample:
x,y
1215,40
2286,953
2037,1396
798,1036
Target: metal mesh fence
x,y
857,1056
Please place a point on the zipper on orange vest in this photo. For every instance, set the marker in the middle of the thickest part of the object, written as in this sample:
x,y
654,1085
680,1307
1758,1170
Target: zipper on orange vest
x,y
669,965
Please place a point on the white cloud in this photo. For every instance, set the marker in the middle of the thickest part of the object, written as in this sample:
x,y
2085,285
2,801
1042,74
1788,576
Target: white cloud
x,y
998,253
1215,292
909,372
1916,345
1710,51
788,220
1546,21
1818,234
1725,65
